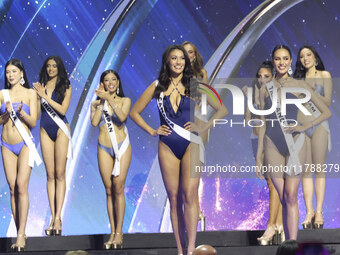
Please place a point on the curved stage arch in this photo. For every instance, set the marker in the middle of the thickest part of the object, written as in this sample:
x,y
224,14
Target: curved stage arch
x,y
130,36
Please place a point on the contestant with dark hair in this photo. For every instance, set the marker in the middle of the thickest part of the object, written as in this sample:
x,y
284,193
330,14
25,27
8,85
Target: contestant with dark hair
x,y
289,247
264,74
177,155
200,73
55,92
309,67
114,150
275,137
18,101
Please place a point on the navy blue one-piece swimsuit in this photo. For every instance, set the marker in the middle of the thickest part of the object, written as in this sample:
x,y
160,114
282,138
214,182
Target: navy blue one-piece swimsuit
x,y
176,143
273,130
48,123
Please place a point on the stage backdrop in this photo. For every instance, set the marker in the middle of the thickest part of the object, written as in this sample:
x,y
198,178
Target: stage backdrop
x,y
94,35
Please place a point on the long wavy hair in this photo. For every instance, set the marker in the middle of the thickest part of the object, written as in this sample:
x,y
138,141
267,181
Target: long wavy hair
x,y
197,64
300,71
20,65
164,74
62,84
102,76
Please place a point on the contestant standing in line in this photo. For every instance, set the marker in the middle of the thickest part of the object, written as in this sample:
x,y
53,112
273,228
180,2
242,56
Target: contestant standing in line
x,y
15,151
309,66
174,151
276,152
114,105
200,73
54,89
265,74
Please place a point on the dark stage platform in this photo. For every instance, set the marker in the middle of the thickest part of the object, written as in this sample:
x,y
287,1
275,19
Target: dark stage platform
x,y
225,242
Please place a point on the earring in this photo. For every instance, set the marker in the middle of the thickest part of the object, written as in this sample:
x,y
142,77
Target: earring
x,y
316,63
290,71
22,81
117,91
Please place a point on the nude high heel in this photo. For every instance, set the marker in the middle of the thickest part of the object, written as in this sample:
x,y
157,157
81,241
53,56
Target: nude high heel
x,y
268,240
309,221
58,231
319,223
50,231
119,245
19,248
280,235
108,244
201,218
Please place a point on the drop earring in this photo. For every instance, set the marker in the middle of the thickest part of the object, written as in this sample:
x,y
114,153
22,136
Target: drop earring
x,y
117,91
290,71
22,81
316,63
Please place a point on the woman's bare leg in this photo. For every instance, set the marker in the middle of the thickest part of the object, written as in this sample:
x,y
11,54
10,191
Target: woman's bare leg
x,y
170,168
47,150
24,173
10,165
105,163
60,155
118,188
190,181
319,151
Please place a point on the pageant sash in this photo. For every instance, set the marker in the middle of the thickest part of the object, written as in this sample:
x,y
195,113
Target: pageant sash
x,y
293,147
112,134
316,113
27,137
60,123
187,135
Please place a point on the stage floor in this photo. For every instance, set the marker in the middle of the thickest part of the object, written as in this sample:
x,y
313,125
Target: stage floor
x,y
225,242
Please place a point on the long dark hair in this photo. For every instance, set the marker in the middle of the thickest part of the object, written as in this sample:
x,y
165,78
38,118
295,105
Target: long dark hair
x,y
121,93
197,64
62,84
300,71
20,65
288,247
281,46
164,74
267,65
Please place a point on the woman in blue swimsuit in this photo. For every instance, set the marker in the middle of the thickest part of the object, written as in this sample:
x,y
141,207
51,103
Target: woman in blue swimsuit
x,y
200,73
54,87
15,152
112,102
276,150
264,74
309,67
172,91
